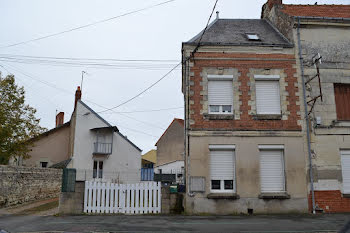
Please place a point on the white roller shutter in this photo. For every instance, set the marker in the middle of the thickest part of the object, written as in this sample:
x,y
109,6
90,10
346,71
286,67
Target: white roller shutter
x,y
271,171
222,165
345,166
268,97
220,92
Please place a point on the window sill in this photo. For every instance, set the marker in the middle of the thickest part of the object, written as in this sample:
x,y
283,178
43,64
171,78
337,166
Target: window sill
x,y
223,196
274,196
212,116
268,117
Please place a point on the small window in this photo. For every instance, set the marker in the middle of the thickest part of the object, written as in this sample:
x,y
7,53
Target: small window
x,y
98,170
252,36
220,96
215,184
222,170
268,98
43,164
342,103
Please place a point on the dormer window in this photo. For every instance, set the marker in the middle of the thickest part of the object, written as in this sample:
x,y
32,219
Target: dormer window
x,y
252,36
104,140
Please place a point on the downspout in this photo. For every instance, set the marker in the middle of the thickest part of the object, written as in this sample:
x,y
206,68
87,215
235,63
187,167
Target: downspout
x,y
307,121
187,114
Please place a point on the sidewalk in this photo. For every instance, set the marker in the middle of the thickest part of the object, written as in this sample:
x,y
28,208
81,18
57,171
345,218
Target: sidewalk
x,y
40,208
161,223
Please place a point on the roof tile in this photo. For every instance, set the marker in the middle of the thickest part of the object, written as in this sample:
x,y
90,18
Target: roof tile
x,y
335,11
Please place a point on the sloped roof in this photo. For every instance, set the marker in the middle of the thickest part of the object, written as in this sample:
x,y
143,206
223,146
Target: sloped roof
x,y
180,121
335,11
109,125
61,165
150,156
233,32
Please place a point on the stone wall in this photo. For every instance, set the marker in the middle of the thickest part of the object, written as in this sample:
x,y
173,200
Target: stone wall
x,y
172,203
24,184
73,202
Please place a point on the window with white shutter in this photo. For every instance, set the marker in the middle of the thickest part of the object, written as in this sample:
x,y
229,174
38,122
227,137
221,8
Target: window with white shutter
x,y
222,169
272,178
220,95
345,167
268,100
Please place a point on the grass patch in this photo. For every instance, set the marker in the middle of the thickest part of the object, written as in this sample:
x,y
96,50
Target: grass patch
x,y
40,208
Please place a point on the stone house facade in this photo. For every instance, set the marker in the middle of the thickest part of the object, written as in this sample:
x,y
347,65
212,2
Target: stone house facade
x,y
324,30
244,136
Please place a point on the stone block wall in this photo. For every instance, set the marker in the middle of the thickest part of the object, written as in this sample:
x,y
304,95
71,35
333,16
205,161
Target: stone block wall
x,y
172,203
73,202
25,184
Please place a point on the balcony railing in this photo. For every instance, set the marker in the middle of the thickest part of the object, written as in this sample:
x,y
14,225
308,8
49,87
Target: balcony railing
x,y
102,148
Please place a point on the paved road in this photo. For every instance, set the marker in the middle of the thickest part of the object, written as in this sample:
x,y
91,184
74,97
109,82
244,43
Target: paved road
x,y
122,223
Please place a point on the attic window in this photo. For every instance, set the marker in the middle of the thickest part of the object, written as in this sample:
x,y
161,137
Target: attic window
x,y
252,36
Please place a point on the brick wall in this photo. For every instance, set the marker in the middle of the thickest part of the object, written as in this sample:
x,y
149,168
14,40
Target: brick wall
x,y
330,201
24,184
245,66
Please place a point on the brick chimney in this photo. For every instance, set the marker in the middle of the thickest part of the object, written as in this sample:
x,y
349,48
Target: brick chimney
x,y
271,3
77,96
59,119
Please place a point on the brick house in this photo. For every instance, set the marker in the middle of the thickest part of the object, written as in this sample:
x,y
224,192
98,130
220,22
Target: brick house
x,y
323,29
244,137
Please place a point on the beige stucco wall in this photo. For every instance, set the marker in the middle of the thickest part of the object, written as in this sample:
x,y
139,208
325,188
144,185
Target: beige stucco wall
x,y
248,175
170,147
52,148
331,41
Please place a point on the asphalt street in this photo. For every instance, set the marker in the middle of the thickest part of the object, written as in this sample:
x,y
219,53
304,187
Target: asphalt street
x,y
122,223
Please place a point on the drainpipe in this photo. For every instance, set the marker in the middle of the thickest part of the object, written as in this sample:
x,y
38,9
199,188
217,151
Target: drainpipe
x,y
187,123
307,122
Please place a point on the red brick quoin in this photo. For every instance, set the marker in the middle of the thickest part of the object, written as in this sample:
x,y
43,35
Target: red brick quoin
x,y
333,199
244,62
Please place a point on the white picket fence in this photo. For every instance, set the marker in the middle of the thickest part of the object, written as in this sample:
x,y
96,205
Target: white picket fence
x,y
140,198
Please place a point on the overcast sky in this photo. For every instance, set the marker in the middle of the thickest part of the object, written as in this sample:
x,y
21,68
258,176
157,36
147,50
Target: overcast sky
x,y
153,34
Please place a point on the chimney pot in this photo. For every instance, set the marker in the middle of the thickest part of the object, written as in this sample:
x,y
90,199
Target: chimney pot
x,y
271,3
59,119
77,96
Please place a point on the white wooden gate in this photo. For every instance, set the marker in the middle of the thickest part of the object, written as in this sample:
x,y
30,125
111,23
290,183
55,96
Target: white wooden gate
x,y
140,198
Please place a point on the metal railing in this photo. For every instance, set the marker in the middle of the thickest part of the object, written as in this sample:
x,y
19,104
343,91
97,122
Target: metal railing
x,y
102,148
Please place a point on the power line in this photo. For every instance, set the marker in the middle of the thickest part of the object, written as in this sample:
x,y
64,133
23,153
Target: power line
x,y
194,51
53,86
152,85
86,25
129,66
94,59
151,110
205,29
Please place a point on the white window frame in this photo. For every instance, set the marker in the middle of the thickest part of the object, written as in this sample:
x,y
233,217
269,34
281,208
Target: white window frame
x,y
279,148
268,78
97,168
222,182
217,77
